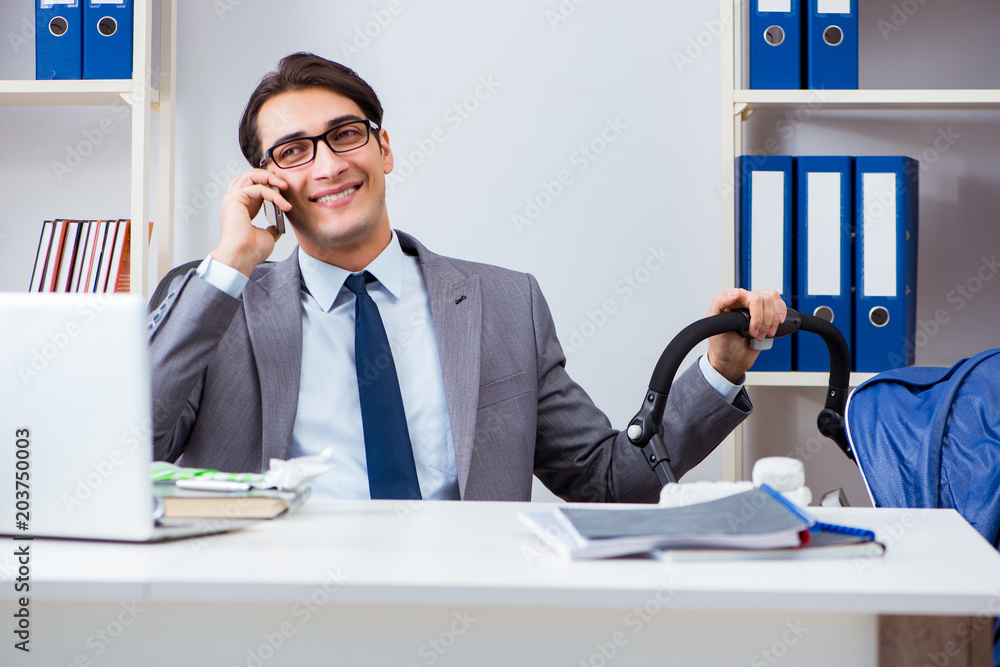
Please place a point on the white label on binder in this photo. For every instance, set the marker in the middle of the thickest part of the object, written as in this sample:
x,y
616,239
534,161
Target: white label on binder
x,y
783,6
833,7
767,230
823,220
878,252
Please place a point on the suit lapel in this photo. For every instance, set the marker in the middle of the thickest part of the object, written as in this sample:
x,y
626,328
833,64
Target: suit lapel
x,y
457,309
274,320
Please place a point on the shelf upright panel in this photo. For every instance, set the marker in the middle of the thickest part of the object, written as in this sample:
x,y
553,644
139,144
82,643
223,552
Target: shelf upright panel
x,y
731,143
167,114
141,146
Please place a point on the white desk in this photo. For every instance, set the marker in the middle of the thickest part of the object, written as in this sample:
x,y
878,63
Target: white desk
x,y
438,583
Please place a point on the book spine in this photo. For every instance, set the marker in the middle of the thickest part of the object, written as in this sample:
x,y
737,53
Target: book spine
x,y
844,530
121,267
41,257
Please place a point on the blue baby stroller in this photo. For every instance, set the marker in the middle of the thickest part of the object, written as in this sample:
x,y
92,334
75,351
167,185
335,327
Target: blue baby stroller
x,y
922,437
930,437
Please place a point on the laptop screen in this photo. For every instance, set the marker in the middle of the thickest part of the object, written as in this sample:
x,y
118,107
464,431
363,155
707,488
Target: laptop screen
x,y
75,426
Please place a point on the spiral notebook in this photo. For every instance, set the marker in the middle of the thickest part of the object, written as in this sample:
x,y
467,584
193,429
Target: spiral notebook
x,y
756,520
826,540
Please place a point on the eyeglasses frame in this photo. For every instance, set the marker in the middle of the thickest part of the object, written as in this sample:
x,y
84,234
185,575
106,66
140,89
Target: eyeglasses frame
x,y
369,126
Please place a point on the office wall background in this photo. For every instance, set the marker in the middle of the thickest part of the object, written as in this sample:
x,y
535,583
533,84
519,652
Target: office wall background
x,y
575,139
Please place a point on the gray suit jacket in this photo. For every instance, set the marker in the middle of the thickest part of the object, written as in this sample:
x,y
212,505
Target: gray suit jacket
x,y
226,379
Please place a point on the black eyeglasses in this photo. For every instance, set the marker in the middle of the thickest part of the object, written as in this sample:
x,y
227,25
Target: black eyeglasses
x,y
340,138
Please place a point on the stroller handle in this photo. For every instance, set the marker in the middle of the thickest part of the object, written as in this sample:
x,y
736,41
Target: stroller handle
x,y
645,429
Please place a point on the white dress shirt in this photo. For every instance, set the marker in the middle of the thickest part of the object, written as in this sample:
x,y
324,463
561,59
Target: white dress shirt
x,y
329,407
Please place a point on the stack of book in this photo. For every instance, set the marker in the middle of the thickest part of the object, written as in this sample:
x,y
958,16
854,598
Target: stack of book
x,y
226,500
83,256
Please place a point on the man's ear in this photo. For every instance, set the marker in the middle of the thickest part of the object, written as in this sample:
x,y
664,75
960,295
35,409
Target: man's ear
x,y
386,151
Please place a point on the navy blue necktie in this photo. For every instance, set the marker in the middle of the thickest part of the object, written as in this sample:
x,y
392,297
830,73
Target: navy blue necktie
x,y
391,471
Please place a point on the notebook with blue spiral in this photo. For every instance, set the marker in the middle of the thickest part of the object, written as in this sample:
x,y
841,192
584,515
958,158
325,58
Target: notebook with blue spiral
x,y
755,523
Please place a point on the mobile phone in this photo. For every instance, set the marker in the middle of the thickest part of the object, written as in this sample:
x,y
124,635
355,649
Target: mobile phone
x,y
275,216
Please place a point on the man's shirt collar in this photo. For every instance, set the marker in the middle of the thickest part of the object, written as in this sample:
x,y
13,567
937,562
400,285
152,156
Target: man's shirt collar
x,y
325,281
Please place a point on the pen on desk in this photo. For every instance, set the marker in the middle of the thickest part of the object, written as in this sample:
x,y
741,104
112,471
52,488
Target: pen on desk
x,y
210,485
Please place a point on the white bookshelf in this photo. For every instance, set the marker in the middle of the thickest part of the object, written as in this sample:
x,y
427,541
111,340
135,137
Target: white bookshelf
x,y
144,99
737,107
798,379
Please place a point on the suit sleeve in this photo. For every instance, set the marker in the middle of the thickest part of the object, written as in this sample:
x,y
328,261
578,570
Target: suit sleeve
x,y
579,456
185,331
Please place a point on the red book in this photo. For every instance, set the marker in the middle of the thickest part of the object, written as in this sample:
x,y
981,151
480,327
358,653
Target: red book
x,y
55,255
121,265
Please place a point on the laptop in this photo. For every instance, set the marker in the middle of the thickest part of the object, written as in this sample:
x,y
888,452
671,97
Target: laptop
x,y
75,422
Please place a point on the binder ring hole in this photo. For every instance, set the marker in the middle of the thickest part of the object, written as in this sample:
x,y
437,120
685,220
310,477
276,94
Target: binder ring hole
x,y
879,316
824,313
774,35
107,26
833,35
58,26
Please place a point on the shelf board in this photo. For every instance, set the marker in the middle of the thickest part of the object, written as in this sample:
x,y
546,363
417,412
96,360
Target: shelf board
x,y
798,379
76,92
868,99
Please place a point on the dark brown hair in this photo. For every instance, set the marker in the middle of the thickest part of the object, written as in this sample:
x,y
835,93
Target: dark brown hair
x,y
298,72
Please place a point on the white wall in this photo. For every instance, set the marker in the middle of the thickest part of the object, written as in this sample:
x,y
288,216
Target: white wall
x,y
563,73
558,82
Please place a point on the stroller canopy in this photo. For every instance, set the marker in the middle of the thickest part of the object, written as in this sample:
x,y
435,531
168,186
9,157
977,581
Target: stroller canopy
x,y
930,437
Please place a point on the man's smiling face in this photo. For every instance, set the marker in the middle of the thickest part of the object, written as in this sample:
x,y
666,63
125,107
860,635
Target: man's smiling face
x,y
338,200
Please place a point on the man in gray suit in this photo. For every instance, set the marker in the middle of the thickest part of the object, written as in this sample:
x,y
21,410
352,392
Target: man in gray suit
x,y
256,361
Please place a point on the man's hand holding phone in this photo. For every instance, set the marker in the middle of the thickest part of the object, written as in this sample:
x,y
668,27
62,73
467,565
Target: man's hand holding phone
x,y
242,245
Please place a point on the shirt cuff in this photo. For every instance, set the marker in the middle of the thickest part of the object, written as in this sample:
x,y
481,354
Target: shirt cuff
x,y
726,389
222,276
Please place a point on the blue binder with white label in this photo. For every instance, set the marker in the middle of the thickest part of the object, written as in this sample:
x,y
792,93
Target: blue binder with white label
x,y
832,44
776,44
764,241
58,39
824,226
107,39
886,262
